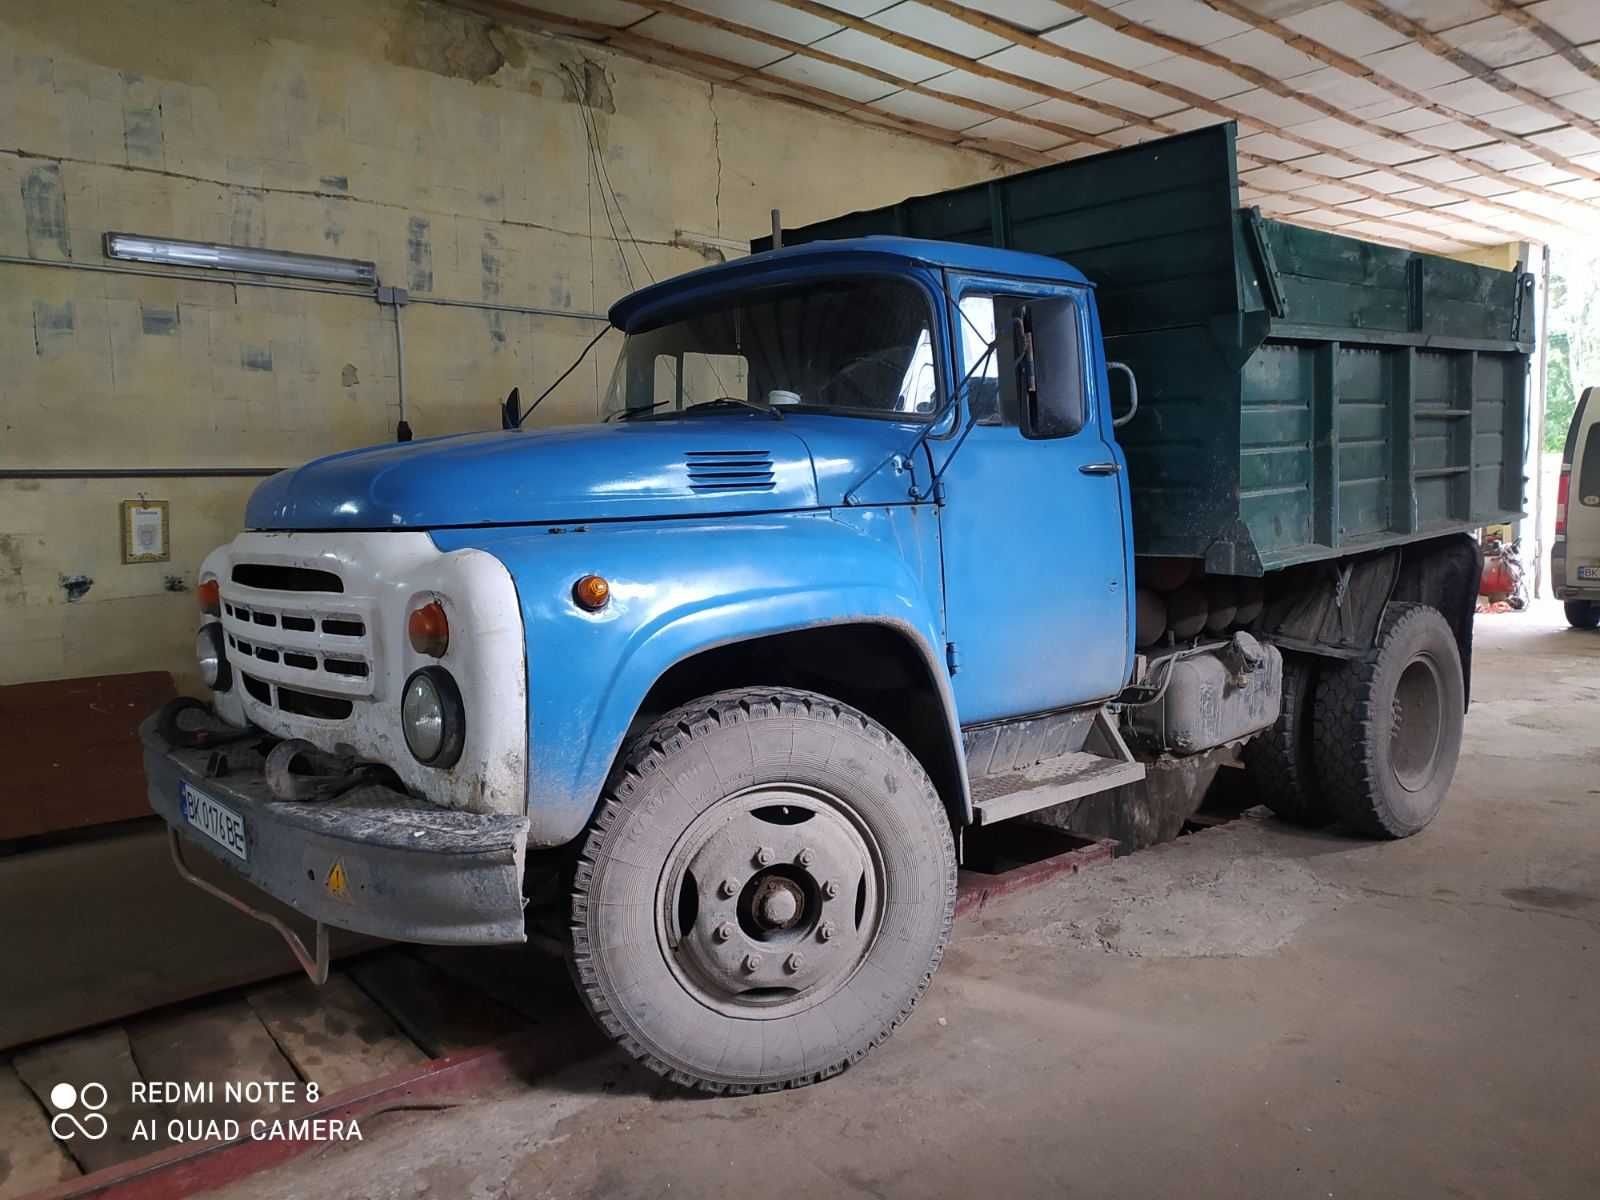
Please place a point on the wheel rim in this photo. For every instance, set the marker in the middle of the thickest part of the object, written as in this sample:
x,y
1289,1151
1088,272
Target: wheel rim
x,y
1415,735
770,901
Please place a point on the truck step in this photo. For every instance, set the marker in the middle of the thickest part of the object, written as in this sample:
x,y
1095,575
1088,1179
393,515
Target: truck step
x,y
1103,764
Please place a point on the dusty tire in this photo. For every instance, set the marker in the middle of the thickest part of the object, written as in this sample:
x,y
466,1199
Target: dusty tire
x,y
1280,762
741,826
1583,614
1388,726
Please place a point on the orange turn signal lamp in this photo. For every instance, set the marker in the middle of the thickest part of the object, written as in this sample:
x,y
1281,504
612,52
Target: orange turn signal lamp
x,y
591,593
209,594
429,629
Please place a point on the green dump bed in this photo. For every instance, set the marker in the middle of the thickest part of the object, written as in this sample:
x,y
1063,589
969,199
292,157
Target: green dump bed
x,y
1302,395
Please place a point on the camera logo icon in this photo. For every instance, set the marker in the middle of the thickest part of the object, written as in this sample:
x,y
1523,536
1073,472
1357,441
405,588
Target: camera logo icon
x,y
67,1124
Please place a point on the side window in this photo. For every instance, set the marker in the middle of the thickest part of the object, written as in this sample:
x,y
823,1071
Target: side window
x,y
1589,469
977,331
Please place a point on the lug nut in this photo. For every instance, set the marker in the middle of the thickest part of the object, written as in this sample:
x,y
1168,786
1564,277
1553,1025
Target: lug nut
x,y
729,889
794,962
764,856
752,963
826,930
805,858
723,932
830,889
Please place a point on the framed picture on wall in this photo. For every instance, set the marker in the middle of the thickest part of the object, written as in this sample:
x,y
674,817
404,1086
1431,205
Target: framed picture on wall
x,y
145,534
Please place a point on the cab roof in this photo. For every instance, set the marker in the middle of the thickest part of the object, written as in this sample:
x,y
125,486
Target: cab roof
x,y
793,264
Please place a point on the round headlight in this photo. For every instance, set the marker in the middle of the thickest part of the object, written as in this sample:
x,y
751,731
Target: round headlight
x,y
213,660
432,717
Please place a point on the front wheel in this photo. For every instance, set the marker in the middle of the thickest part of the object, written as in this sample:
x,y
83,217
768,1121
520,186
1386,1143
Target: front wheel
x,y
765,892
1583,614
1388,725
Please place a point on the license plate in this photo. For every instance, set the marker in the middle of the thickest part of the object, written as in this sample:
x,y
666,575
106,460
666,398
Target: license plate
x,y
217,821
1589,572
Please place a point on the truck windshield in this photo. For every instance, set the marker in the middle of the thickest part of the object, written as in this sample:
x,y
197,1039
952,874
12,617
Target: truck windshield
x,y
861,347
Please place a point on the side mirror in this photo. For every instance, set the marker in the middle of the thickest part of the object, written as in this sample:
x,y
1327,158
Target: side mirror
x,y
1041,366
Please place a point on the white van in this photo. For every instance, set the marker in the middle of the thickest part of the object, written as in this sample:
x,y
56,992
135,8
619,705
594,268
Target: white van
x,y
1575,556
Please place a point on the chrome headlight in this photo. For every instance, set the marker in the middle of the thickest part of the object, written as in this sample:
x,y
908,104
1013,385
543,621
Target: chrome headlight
x,y
212,657
432,717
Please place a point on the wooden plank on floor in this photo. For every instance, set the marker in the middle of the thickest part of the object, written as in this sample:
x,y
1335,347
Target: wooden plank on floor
x,y
30,1158
441,1014
213,1043
536,984
335,1035
104,1057
153,940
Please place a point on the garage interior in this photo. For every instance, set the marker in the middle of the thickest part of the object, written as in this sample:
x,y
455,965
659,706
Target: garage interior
x,y
1255,1008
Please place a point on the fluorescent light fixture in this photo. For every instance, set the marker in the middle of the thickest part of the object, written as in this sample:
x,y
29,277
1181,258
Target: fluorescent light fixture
x,y
173,252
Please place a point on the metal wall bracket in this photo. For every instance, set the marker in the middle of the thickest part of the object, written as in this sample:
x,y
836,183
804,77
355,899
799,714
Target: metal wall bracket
x,y
315,965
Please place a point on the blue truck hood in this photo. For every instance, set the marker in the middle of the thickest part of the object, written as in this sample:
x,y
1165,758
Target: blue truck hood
x,y
731,463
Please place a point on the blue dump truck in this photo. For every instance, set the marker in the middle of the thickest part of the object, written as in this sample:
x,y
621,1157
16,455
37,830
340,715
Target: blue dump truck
x,y
1046,497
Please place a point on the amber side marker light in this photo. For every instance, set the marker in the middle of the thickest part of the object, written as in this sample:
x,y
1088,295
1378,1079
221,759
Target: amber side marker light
x,y
429,629
209,593
591,593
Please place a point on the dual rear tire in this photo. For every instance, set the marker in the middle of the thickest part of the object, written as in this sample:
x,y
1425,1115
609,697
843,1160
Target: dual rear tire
x,y
1373,742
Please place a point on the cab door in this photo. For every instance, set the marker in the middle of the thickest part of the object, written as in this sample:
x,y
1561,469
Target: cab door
x,y
1035,531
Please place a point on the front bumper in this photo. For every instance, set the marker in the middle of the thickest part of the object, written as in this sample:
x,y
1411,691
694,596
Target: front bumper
x,y
374,861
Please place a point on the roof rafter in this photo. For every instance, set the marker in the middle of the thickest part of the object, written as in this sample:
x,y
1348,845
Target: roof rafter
x,y
1475,67
1556,40
1032,41
1069,133
674,57
1357,69
1143,33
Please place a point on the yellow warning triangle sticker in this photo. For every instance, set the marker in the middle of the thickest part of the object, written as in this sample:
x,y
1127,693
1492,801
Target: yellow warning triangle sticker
x,y
337,884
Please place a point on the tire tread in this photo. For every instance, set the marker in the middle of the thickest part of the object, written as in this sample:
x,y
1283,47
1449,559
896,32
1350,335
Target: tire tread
x,y
646,755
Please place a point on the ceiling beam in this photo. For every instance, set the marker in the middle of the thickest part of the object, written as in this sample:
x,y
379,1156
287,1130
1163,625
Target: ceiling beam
x,y
1067,132
1556,40
1189,50
665,54
1475,67
678,57
1357,69
1032,41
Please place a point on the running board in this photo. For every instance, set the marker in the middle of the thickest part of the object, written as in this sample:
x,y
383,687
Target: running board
x,y
1103,764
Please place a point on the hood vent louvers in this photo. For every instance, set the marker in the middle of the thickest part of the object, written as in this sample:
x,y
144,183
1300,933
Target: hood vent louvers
x,y
730,470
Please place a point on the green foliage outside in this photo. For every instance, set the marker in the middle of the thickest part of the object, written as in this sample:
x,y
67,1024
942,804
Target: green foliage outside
x,y
1573,347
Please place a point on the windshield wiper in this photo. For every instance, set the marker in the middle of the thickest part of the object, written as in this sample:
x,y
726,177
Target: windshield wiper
x,y
627,414
750,404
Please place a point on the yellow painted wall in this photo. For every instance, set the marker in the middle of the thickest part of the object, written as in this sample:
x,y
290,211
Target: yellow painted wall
x,y
1503,257
449,151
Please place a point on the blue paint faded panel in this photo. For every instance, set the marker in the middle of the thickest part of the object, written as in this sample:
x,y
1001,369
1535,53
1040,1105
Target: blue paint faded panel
x,y
680,587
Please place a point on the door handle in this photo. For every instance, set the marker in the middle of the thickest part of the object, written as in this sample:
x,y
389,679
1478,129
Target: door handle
x,y
1105,468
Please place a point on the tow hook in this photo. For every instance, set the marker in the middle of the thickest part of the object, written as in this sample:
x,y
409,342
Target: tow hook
x,y
297,770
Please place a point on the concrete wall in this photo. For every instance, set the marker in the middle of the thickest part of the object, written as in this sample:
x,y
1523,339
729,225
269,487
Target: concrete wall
x,y
451,152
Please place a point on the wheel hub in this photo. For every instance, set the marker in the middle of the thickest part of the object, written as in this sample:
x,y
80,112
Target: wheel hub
x,y
770,901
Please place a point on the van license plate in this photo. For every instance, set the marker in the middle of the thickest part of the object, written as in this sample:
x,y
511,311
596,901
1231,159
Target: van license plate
x,y
1589,572
217,821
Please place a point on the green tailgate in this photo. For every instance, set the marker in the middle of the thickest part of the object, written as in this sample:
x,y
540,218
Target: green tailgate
x,y
1302,394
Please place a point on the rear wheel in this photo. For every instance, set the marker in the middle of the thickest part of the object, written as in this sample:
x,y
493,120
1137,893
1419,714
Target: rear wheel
x,y
1280,761
1583,614
1388,725
765,893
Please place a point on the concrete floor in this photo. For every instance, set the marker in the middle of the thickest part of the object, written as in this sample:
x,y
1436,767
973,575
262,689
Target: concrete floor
x,y
1249,1011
